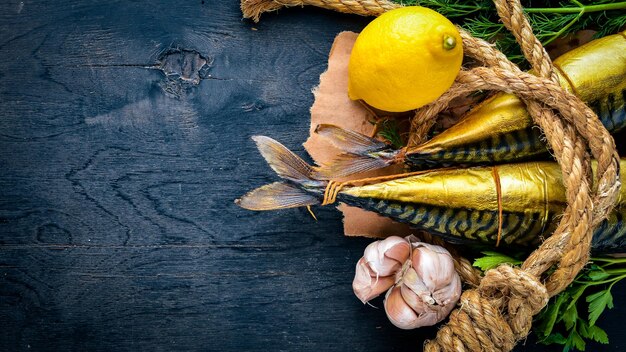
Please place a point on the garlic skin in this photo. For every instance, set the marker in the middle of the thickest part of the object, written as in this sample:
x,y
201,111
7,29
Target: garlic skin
x,y
376,271
426,289
367,285
386,257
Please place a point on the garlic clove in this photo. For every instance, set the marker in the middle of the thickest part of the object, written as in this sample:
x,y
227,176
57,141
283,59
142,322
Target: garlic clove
x,y
413,282
449,295
412,299
396,248
434,265
367,285
428,313
387,256
399,312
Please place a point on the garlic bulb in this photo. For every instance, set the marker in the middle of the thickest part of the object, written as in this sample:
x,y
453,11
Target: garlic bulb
x,y
375,272
422,283
427,288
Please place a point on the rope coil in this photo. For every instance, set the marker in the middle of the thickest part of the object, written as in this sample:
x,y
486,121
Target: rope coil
x,y
498,312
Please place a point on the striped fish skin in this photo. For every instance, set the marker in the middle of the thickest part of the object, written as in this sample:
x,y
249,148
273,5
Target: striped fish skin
x,y
458,224
466,212
500,129
610,236
517,145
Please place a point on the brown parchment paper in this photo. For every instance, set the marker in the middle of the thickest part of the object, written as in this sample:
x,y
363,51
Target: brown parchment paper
x,y
332,106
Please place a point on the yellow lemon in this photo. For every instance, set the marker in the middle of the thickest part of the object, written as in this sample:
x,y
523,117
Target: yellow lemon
x,y
404,59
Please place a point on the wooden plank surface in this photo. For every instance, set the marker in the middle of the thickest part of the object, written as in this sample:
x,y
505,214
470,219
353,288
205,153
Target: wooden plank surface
x,y
124,139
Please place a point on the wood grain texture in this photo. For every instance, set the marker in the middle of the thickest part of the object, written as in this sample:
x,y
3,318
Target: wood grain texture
x,y
125,137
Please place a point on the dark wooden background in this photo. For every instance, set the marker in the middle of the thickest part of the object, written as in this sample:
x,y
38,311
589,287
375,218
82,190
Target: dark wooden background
x,y
124,139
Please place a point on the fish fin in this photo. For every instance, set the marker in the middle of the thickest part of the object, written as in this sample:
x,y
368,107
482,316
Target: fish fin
x,y
347,164
361,153
302,190
349,141
284,162
277,195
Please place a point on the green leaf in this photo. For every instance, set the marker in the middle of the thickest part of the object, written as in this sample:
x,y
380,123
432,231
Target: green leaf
x,y
598,334
597,273
597,303
583,329
554,338
493,259
576,292
550,315
576,341
569,317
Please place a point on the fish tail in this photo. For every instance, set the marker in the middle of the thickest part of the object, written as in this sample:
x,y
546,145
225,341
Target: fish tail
x,y
300,188
361,153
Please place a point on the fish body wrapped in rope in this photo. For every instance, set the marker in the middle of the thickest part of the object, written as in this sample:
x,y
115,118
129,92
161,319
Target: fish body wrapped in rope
x,y
499,129
515,203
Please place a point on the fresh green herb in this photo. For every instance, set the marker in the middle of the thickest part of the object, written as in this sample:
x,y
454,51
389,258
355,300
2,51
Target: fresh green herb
x,y
454,8
561,322
390,131
493,259
549,22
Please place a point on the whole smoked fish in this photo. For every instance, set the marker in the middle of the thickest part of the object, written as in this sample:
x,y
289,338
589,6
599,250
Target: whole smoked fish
x,y
459,204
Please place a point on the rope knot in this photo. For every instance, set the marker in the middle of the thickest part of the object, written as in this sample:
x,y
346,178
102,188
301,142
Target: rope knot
x,y
494,316
477,325
517,290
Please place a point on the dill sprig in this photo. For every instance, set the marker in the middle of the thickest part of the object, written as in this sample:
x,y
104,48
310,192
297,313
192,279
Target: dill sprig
x,y
390,131
549,22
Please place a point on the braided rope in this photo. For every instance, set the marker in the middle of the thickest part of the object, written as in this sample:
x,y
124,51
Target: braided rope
x,y
254,8
498,312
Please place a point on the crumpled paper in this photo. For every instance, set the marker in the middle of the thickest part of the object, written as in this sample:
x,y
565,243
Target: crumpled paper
x,y
332,106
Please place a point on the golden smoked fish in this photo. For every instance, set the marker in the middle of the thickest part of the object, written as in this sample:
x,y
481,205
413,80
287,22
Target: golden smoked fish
x,y
459,204
500,129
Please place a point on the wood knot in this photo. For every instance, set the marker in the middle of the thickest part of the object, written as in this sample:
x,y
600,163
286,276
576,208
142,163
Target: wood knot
x,y
183,69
